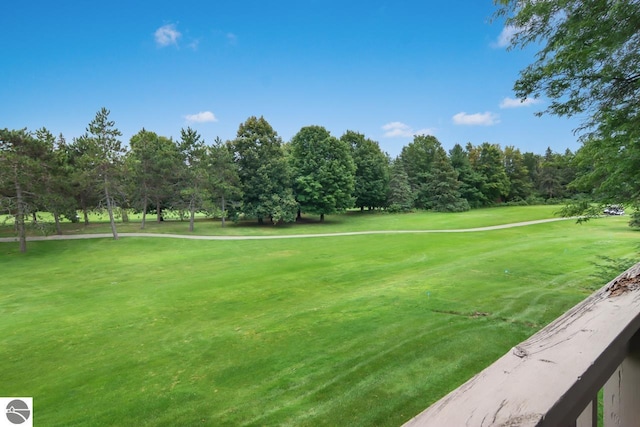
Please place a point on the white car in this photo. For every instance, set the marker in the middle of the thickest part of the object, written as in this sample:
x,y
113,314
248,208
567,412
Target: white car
x,y
614,210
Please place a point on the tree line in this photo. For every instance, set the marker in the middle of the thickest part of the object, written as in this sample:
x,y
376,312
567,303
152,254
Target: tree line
x,y
259,176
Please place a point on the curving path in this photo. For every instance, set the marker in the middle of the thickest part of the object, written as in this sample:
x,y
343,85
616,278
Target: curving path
x,y
290,236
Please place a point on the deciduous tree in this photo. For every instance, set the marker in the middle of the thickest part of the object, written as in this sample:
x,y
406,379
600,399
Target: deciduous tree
x,y
372,171
588,64
264,172
417,159
323,171
588,58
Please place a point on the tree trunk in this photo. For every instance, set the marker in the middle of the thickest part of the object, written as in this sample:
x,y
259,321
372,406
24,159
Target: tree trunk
x,y
158,211
144,212
22,234
34,217
56,218
85,214
321,217
223,211
125,215
192,213
110,209
299,217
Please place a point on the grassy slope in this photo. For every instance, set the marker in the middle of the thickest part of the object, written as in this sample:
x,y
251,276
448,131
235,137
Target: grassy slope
x,y
359,330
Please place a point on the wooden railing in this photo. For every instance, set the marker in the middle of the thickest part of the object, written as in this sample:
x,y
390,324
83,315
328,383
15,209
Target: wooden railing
x,y
553,378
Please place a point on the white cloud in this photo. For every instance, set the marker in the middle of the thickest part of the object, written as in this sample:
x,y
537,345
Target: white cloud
x,y
516,103
399,129
167,35
504,39
479,119
202,117
396,129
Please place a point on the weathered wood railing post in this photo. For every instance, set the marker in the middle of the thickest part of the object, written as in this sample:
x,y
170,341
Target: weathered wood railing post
x,y
589,417
621,399
553,378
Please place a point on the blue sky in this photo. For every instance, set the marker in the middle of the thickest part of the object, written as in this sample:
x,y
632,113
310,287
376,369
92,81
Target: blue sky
x,y
387,69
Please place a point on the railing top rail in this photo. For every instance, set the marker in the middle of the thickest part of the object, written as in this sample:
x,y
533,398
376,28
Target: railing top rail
x,y
550,378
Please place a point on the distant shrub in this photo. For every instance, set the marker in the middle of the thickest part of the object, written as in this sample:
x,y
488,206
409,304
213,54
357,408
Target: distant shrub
x,y
458,205
535,200
398,208
518,202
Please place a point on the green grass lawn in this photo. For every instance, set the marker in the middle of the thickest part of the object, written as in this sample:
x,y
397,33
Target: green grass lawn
x,y
354,330
350,221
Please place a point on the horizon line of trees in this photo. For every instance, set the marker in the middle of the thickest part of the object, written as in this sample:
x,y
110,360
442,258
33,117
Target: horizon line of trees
x,y
259,176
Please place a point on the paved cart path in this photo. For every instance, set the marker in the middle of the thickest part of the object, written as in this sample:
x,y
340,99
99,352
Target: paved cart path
x,y
289,236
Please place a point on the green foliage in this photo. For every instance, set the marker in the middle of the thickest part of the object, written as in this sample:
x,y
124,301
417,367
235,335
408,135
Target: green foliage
x,y
23,165
432,177
608,164
101,159
470,180
251,176
417,158
55,195
582,209
588,56
588,65
81,182
282,208
226,182
155,168
197,182
323,171
608,268
103,148
520,184
263,171
442,185
372,171
487,160
556,174
532,162
400,197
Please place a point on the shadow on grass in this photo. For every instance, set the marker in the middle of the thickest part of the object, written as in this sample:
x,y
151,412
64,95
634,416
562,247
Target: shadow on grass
x,y
167,225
